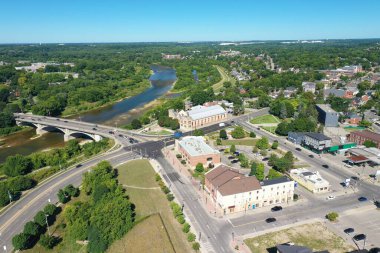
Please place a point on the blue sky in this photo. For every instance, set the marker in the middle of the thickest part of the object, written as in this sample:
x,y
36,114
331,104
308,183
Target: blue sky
x,y
25,21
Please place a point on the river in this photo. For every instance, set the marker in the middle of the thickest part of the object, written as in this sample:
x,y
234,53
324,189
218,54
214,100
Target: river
x,y
118,114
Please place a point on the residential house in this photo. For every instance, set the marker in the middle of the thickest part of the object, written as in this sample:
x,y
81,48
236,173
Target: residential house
x,y
353,118
289,92
309,87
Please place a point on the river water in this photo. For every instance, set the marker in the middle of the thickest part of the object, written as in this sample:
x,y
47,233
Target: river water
x,y
117,114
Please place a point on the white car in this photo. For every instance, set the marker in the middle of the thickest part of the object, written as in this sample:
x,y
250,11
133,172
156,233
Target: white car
x,y
330,197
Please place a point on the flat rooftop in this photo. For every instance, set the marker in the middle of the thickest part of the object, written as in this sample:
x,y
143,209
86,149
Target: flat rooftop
x,y
200,111
196,146
325,108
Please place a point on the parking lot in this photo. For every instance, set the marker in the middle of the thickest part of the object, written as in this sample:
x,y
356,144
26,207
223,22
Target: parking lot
x,y
364,222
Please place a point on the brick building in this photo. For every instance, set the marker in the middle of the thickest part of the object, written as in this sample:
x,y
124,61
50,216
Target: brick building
x,y
359,137
195,150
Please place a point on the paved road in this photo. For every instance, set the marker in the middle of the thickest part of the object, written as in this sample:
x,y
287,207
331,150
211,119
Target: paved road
x,y
216,234
12,220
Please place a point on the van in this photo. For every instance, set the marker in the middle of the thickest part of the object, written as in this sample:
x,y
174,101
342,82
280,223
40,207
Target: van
x,y
347,165
222,124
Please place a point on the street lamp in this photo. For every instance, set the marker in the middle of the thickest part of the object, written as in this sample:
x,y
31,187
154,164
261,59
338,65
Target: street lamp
x,y
47,223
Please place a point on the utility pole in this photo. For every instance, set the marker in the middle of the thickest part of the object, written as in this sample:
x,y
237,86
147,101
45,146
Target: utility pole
x,y
47,223
10,197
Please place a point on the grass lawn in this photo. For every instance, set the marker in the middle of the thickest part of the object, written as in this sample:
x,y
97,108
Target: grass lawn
x,y
148,202
243,142
152,229
162,132
265,119
271,129
315,236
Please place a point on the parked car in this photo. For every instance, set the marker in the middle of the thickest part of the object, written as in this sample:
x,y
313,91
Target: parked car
x,y
276,208
231,157
93,128
349,230
360,237
265,159
325,166
236,153
120,135
235,161
330,197
362,199
355,178
110,132
65,121
78,166
311,156
270,220
222,124
298,149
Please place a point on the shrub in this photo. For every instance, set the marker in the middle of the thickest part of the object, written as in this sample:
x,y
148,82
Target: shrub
x,y
183,161
199,168
181,219
238,133
252,135
158,177
48,241
165,189
186,227
196,246
275,145
178,156
170,197
218,141
295,197
333,216
17,165
191,237
223,134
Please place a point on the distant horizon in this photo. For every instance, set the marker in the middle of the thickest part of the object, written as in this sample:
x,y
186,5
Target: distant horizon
x,y
128,21
186,42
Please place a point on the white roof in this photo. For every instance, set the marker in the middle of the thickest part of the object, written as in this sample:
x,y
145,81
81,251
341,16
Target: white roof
x,y
196,146
200,111
311,176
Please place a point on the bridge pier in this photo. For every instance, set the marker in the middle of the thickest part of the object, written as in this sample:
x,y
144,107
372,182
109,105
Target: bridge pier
x,y
40,130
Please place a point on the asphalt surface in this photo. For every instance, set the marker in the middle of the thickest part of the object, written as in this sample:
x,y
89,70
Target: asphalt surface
x,y
215,234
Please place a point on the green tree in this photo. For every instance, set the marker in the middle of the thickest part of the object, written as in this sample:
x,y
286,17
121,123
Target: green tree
x,y
272,174
136,124
63,196
252,135
238,133
191,237
32,228
51,209
40,219
223,134
17,165
253,169
218,141
260,172
369,144
232,149
262,143
199,168
275,145
198,132
71,190
22,241
186,228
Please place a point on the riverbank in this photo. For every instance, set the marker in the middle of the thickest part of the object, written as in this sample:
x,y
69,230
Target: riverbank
x,y
93,107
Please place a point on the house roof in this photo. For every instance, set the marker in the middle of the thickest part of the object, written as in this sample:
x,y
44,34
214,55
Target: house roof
x,y
275,181
335,92
368,135
318,136
285,248
326,108
228,181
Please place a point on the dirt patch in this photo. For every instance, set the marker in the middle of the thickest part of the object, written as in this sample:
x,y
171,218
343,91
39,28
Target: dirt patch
x,y
315,236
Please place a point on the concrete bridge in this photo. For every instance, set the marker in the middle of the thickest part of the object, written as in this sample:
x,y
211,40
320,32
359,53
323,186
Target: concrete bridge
x,y
70,128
